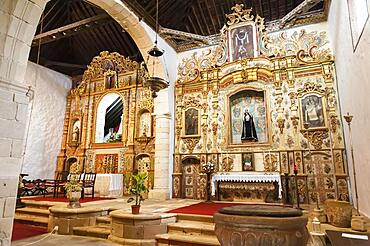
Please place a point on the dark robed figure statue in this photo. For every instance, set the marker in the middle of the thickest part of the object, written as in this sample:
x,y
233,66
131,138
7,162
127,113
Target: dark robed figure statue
x,y
249,130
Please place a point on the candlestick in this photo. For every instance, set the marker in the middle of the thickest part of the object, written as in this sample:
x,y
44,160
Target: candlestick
x,y
348,119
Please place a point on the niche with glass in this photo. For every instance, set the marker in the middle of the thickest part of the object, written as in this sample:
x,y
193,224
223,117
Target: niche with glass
x,y
109,115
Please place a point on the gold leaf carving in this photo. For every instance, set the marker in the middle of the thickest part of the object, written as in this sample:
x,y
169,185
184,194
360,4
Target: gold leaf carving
x,y
316,137
191,143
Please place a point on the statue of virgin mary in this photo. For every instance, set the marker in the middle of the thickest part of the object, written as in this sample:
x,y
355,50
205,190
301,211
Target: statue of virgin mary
x,y
249,130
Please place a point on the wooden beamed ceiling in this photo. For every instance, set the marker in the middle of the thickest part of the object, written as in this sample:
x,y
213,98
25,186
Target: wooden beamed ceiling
x,y
207,17
71,32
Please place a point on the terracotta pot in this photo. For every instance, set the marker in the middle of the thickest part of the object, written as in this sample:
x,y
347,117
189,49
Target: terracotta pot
x,y
339,213
135,209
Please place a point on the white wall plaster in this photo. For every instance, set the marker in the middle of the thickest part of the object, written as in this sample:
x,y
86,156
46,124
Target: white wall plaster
x,y
46,121
353,76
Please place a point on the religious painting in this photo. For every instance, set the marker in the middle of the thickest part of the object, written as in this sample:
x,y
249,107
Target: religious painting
x,y
358,17
247,162
242,42
191,122
312,111
248,118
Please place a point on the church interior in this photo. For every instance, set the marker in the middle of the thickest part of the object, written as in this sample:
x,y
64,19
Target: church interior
x,y
168,122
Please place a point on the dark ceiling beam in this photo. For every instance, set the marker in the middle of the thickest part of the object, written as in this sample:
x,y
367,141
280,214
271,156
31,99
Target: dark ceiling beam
x,y
197,20
208,6
217,16
48,63
301,9
59,18
70,29
201,13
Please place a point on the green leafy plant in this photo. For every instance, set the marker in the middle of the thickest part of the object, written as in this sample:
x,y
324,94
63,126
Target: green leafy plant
x,y
138,188
73,185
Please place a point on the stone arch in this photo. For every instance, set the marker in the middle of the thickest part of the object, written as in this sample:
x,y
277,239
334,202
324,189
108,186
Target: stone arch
x,y
21,19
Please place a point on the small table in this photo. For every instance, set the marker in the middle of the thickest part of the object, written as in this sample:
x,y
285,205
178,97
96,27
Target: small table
x,y
109,184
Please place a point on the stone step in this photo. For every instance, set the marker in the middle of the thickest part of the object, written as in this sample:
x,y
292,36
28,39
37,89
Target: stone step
x,y
97,231
103,220
32,220
186,240
40,212
40,204
192,228
195,217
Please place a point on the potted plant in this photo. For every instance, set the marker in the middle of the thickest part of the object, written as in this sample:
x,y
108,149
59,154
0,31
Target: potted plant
x,y
137,190
73,190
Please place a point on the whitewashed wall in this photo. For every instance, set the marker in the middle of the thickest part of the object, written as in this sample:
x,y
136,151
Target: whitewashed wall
x,y
353,75
45,126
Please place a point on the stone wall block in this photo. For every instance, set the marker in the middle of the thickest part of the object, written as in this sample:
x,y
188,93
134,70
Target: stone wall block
x,y
7,110
8,186
14,129
17,149
14,24
6,225
6,95
8,6
5,147
22,112
9,207
32,12
2,204
21,98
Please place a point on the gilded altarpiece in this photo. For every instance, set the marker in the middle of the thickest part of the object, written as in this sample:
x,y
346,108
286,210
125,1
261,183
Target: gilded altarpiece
x,y
108,124
270,109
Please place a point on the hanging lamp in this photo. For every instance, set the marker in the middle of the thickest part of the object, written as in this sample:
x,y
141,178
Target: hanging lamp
x,y
155,82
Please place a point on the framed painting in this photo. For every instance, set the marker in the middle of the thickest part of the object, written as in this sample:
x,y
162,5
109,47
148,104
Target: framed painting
x,y
358,17
312,108
243,41
247,161
191,122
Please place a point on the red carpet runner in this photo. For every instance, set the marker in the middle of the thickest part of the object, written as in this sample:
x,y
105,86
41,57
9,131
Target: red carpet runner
x,y
64,199
21,231
203,208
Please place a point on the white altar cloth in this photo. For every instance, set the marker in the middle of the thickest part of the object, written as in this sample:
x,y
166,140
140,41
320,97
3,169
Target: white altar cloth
x,y
109,184
246,177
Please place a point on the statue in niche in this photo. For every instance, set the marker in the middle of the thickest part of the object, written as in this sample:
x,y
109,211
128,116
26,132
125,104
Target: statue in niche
x,y
249,129
75,134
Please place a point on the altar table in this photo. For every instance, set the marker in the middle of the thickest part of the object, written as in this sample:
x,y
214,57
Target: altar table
x,y
246,177
109,184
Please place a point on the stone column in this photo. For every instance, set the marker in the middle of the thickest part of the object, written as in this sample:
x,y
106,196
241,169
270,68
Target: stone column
x,y
13,117
161,188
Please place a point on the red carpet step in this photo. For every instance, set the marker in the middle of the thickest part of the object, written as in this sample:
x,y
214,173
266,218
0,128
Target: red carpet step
x,y
21,231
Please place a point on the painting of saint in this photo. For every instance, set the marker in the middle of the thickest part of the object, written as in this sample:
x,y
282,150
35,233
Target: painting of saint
x,y
312,111
242,42
191,122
